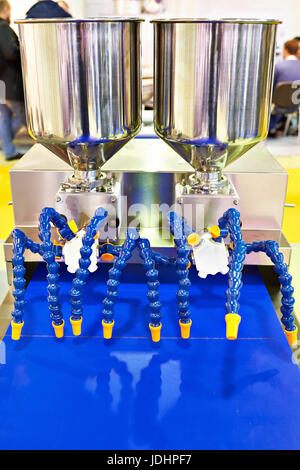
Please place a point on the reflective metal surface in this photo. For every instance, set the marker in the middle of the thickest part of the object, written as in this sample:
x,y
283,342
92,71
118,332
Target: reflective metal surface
x,y
213,83
149,196
82,82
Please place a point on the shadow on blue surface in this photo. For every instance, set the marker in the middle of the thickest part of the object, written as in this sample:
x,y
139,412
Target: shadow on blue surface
x,y
130,393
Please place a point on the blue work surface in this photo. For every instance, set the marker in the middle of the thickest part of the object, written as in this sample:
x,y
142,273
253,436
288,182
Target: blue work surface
x,y
129,393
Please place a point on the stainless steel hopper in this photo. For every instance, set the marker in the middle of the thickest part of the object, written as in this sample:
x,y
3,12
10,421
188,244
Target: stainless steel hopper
x,y
213,86
82,81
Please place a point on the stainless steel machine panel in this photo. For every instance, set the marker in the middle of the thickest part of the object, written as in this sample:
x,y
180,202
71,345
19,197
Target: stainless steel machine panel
x,y
201,211
81,207
261,194
259,180
35,180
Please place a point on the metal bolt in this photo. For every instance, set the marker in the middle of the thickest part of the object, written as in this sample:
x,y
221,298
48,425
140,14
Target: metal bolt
x,y
236,202
113,199
58,199
180,200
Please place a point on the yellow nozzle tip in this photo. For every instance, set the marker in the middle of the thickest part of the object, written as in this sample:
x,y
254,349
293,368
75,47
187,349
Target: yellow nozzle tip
x,y
232,325
76,326
185,329
16,329
59,329
193,239
189,265
73,226
107,257
107,329
291,336
215,231
155,332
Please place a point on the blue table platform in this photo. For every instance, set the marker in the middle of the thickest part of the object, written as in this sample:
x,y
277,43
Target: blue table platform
x,y
130,393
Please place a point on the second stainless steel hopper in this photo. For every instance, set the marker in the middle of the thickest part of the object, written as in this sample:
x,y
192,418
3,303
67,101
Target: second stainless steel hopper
x,y
82,82
213,84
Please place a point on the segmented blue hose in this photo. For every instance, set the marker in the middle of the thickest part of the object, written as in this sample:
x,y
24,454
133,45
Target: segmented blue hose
x,y
271,248
178,227
146,255
20,244
228,224
47,251
162,260
231,222
180,230
47,216
33,246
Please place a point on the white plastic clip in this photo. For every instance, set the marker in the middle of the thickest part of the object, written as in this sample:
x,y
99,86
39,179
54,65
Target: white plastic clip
x,y
210,257
71,252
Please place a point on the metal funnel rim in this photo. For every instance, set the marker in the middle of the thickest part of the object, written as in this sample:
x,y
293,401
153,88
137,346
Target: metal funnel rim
x,y
220,20
109,19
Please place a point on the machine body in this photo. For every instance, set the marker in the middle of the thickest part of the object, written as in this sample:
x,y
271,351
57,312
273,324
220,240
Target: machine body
x,y
213,84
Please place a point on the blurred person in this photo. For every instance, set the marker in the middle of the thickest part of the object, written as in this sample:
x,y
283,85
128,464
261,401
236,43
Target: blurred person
x,y
47,9
64,6
12,116
286,70
297,38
